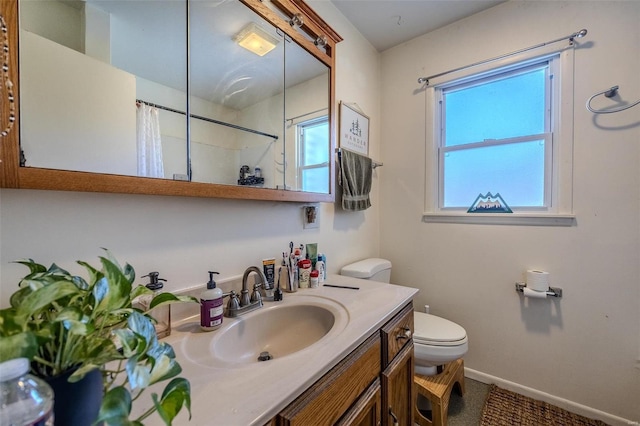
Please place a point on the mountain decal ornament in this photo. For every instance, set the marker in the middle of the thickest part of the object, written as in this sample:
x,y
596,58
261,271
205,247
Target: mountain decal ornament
x,y
489,203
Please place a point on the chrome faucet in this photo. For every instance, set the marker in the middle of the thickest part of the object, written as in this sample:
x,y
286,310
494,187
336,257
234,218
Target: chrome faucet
x,y
244,294
245,303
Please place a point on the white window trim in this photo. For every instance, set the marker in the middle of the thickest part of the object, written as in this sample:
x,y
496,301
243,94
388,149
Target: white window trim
x,y
300,151
560,212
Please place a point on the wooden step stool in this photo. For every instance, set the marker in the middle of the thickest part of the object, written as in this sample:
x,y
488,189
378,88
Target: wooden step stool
x,y
437,389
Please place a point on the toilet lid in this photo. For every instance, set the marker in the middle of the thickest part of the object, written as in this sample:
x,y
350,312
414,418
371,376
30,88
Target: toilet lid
x,y
433,330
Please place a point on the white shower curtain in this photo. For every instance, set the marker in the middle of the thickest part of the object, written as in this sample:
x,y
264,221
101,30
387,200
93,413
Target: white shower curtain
x,y
149,143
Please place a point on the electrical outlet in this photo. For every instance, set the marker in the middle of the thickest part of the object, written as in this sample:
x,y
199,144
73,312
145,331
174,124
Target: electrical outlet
x,y
311,216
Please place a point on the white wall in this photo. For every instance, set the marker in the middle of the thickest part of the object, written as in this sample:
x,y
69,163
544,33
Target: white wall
x,y
72,129
182,237
585,347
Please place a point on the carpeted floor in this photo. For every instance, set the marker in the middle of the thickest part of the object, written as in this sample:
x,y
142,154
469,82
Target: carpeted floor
x,y
506,408
466,410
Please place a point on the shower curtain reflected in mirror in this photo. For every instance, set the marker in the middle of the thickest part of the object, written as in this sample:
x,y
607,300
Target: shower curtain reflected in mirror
x,y
148,142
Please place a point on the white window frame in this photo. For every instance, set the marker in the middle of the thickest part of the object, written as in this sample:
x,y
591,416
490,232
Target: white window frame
x,y
558,208
300,141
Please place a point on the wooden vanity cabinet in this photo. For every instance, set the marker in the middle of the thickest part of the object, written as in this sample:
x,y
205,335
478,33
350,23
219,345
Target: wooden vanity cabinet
x,y
397,385
398,365
327,400
372,386
366,411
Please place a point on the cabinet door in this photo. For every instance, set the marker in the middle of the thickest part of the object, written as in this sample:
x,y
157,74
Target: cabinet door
x,y
366,411
397,390
397,333
326,401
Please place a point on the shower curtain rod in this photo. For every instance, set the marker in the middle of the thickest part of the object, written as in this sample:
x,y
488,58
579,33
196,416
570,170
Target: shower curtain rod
x,y
570,37
210,120
304,115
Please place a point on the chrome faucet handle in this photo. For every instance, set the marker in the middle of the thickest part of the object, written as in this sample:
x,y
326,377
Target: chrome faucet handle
x,y
234,303
244,297
256,296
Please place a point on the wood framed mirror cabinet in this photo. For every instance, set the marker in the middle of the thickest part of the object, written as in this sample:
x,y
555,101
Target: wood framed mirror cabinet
x,y
217,104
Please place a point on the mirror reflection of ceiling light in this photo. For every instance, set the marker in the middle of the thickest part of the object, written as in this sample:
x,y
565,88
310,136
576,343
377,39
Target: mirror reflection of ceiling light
x,y
255,39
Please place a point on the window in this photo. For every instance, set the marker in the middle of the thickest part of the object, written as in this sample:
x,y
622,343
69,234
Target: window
x,y
501,129
496,137
313,155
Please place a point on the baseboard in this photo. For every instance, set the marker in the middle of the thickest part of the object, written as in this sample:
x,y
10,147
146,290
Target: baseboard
x,y
574,407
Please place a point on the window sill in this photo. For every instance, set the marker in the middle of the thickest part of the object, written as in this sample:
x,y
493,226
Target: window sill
x,y
529,219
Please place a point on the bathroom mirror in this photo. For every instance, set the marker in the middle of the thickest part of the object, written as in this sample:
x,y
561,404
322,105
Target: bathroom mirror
x,y
101,71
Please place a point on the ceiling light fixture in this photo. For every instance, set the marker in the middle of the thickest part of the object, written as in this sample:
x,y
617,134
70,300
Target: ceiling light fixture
x,y
255,39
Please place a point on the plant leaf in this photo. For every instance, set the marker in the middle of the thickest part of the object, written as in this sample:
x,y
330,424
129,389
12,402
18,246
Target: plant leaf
x,y
139,374
114,290
81,372
32,265
23,345
74,321
168,298
176,394
97,351
142,325
139,291
16,298
116,407
164,368
33,303
8,323
129,341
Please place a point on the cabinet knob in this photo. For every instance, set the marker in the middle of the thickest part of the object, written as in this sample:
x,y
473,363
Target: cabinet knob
x,y
405,335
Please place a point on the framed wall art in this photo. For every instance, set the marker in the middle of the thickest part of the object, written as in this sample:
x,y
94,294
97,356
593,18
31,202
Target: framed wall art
x,y
354,129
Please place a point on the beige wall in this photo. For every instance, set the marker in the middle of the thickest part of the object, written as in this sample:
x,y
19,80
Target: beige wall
x,y
585,347
183,238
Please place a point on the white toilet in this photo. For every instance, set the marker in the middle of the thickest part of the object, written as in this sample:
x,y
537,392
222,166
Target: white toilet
x,y
436,340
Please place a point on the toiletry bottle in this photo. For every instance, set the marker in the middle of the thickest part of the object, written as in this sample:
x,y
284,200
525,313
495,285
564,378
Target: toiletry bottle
x,y
323,258
320,269
211,309
269,269
304,271
161,314
313,279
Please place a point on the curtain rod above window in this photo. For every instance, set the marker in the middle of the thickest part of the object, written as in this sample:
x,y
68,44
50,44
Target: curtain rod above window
x,y
570,37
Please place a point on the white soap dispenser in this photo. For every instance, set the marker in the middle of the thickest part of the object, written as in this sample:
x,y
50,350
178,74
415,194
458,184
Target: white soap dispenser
x,y
211,309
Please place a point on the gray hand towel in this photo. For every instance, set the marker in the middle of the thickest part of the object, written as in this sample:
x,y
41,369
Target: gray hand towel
x,y
355,178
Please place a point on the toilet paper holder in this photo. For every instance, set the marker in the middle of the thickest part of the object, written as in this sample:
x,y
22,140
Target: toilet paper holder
x,y
553,291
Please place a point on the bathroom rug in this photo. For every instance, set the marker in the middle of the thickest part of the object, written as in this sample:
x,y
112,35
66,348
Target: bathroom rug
x,y
506,408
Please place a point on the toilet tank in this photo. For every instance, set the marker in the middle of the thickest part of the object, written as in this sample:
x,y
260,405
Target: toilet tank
x,y
369,269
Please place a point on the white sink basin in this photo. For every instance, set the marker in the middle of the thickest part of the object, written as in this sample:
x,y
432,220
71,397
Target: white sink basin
x,y
278,328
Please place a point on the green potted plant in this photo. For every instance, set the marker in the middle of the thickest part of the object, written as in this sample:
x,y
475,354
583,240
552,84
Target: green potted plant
x,y
74,328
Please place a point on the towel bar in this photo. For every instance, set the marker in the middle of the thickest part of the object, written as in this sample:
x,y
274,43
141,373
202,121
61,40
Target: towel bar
x,y
374,163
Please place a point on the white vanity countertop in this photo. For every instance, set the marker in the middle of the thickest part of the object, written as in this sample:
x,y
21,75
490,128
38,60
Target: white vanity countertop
x,y
252,394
